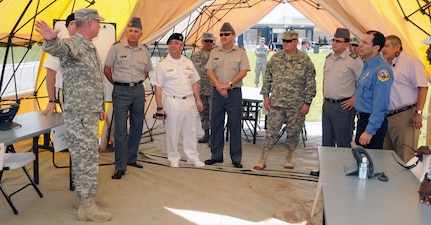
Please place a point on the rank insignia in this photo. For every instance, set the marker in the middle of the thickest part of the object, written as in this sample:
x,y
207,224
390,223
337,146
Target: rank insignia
x,y
383,75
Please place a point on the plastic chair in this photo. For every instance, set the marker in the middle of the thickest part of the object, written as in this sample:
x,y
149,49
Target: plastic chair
x,y
12,161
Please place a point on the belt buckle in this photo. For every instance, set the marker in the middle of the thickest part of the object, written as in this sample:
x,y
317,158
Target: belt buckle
x,y
132,84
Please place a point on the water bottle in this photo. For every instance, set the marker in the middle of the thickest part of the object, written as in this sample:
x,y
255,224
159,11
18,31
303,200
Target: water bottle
x,y
363,169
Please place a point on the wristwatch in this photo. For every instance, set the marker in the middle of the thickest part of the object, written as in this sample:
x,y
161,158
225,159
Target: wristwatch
x,y
159,108
428,176
418,112
230,83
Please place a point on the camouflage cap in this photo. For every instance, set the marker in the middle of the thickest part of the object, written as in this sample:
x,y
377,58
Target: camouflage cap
x,y
208,36
427,41
354,41
87,14
290,35
135,22
227,27
342,33
262,39
176,36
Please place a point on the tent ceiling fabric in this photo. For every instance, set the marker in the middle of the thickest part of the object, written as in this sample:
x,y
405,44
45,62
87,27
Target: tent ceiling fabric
x,y
158,17
241,14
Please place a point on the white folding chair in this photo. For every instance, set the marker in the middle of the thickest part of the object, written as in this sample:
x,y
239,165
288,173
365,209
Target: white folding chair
x,y
12,161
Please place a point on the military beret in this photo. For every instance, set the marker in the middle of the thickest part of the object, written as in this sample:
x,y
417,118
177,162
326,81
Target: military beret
x,y
70,18
176,36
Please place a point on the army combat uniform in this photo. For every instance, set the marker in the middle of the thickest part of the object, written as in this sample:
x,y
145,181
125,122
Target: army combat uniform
x,y
83,103
290,83
261,60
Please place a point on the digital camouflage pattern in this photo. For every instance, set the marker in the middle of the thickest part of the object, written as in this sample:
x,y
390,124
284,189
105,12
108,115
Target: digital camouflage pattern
x,y
290,80
84,101
82,73
261,60
199,60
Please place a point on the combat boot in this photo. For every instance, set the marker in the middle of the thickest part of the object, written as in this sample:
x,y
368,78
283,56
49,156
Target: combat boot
x,y
99,202
89,211
262,161
205,138
289,164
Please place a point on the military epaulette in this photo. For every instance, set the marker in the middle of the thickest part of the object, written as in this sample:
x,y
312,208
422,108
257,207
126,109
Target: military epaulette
x,y
116,42
353,55
328,55
147,47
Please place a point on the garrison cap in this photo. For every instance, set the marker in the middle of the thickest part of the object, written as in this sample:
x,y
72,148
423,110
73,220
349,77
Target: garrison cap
x,y
208,36
427,41
354,41
227,27
87,14
135,22
176,36
290,35
70,18
342,33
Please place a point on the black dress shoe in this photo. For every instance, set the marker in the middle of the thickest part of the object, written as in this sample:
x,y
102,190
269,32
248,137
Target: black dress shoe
x,y
117,174
237,165
212,161
135,164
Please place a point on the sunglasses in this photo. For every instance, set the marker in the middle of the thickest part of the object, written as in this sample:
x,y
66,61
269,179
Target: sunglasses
x,y
225,34
354,45
208,41
287,41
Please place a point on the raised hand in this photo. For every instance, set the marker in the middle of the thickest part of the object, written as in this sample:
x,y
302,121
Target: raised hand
x,y
46,31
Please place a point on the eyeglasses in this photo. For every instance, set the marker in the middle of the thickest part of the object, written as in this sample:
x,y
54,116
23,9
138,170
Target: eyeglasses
x,y
208,41
225,34
354,45
338,41
287,41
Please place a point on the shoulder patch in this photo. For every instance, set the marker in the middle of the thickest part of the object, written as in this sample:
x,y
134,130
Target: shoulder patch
x,y
353,55
329,55
116,42
383,75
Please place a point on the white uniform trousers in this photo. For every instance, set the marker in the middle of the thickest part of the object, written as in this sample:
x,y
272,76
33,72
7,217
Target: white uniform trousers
x,y
181,118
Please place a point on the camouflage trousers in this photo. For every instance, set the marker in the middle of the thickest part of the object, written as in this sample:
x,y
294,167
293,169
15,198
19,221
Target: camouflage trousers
x,y
260,68
294,121
205,114
82,139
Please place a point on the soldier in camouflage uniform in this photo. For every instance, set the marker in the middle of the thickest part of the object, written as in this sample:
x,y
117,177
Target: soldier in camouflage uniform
x,y
83,104
200,59
261,52
288,88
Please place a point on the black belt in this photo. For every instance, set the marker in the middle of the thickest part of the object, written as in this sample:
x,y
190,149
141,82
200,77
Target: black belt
x,y
233,88
132,84
336,101
393,112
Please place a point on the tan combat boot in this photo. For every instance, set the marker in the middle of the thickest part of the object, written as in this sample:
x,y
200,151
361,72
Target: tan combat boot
x,y
262,161
289,164
99,202
89,211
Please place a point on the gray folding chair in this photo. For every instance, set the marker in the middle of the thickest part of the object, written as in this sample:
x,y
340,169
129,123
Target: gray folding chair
x,y
12,161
